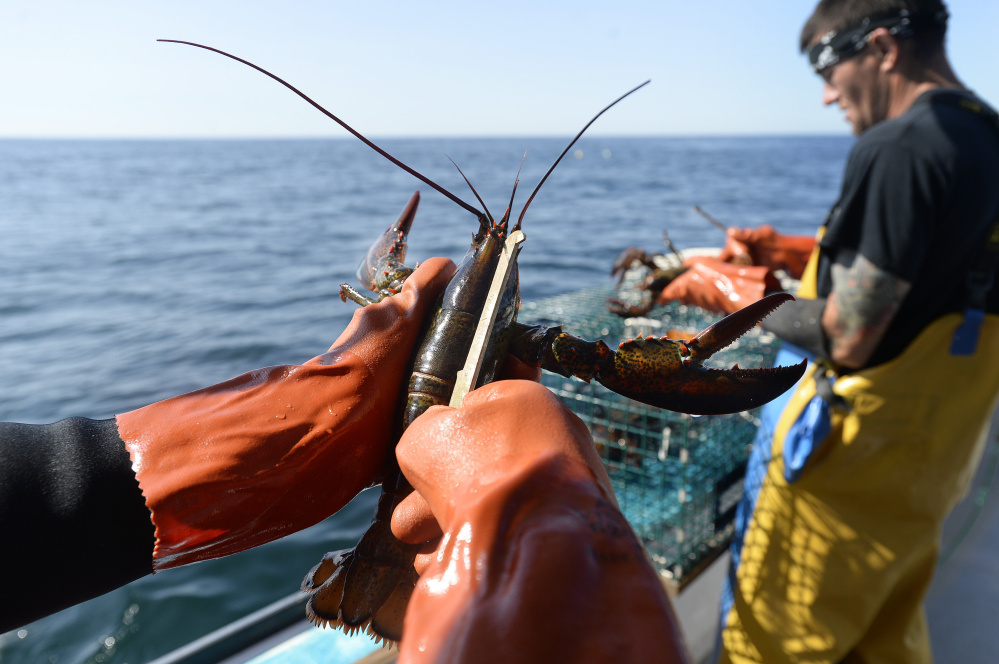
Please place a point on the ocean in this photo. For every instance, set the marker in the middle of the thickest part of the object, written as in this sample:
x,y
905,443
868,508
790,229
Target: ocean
x,y
136,270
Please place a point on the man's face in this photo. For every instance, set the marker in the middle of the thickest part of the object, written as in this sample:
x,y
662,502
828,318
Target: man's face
x,y
856,84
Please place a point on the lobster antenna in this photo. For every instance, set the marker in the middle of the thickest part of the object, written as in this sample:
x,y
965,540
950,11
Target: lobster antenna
x,y
340,122
571,143
479,198
515,183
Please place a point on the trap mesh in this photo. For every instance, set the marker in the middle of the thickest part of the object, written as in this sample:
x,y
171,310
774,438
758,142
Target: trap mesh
x,y
677,477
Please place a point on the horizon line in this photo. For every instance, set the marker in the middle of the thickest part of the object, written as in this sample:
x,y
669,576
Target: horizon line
x,y
321,137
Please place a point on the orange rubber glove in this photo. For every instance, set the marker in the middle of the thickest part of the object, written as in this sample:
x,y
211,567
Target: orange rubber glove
x,y
279,449
536,562
715,285
765,246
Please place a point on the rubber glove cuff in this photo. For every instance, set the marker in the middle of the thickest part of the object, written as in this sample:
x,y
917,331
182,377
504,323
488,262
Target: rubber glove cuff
x,y
247,461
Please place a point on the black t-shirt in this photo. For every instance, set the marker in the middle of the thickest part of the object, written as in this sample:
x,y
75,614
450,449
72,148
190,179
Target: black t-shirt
x,y
919,197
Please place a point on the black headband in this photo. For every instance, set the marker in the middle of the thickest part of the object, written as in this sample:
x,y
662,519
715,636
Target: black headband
x,y
839,45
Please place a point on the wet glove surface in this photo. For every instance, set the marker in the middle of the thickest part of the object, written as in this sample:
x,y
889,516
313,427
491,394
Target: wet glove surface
x,y
717,286
764,246
531,552
279,449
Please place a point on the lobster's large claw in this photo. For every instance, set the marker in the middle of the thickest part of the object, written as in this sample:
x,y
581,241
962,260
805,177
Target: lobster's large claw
x,y
382,270
670,374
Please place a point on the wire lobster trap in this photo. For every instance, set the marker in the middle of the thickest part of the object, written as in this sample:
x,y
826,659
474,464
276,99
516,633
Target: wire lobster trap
x,y
677,477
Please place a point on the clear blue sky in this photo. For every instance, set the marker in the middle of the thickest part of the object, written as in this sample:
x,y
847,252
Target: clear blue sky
x,y
521,67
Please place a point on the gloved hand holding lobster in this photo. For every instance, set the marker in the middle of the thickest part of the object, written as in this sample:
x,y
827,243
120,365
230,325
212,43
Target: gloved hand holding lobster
x,y
741,274
221,470
763,245
534,549
276,450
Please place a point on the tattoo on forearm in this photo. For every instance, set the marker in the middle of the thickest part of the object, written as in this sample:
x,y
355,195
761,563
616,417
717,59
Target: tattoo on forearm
x,y
866,299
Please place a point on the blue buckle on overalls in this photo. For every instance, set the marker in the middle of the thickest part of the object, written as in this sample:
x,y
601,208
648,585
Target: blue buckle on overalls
x,y
965,340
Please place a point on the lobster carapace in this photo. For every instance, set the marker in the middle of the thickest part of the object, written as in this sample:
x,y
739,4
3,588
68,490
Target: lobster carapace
x,y
368,587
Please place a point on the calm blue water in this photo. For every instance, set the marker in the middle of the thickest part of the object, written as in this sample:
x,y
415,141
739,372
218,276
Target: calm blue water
x,y
132,271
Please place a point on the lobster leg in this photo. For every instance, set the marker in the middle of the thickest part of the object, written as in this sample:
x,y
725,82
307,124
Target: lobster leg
x,y
665,373
367,587
348,292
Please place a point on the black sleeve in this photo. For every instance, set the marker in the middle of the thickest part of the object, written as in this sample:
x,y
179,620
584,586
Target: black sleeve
x,y
800,323
73,523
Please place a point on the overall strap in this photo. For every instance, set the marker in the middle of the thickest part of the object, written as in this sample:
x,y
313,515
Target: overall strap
x,y
979,280
978,283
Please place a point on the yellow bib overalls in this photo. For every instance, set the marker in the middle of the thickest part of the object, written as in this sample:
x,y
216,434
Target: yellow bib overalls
x,y
834,565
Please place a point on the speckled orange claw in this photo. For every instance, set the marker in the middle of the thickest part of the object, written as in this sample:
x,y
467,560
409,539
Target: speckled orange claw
x,y
665,373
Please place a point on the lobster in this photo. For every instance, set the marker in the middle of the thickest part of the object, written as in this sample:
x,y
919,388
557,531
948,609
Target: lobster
x,y
368,587
651,285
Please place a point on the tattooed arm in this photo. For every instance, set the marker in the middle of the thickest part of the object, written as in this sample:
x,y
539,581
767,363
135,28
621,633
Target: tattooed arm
x,y
862,304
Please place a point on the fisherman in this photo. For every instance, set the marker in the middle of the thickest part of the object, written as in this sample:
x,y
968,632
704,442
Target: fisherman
x,y
853,471
276,450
